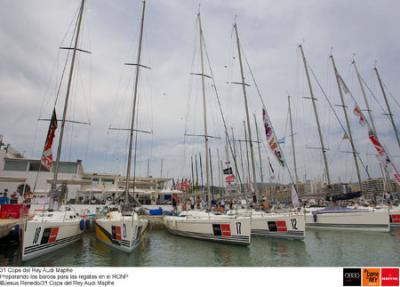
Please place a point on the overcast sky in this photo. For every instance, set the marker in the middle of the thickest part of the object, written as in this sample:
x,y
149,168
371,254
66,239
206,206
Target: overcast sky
x,y
170,100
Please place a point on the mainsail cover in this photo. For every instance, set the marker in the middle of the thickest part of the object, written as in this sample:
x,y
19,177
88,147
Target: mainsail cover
x,y
47,156
272,139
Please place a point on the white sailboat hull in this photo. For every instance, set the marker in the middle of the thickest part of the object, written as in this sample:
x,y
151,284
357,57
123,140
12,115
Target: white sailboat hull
x,y
286,225
49,231
208,226
375,220
120,232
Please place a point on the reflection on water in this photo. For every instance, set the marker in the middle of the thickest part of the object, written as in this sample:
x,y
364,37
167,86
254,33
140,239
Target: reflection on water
x,y
320,248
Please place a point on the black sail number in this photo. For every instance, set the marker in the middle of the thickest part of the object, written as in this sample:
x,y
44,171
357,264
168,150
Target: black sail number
x,y
238,228
37,233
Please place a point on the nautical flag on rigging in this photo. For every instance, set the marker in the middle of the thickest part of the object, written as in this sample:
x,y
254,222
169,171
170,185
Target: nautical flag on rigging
x,y
281,141
360,115
270,166
47,156
272,139
228,170
344,86
382,154
379,149
384,158
230,178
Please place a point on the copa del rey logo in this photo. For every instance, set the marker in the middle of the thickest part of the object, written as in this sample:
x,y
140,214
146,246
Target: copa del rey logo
x,y
371,277
390,276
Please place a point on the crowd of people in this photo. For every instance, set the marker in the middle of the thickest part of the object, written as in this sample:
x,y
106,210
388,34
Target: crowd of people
x,y
221,205
11,198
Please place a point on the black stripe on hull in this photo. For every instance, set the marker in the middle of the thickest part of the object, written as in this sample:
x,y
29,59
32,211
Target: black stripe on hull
x,y
34,248
44,249
122,242
299,235
237,240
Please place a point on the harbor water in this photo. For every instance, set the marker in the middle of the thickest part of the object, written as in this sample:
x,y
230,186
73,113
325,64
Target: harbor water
x,y
320,248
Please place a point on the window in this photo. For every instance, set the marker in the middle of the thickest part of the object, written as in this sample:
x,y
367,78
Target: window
x,y
108,180
67,167
15,165
35,166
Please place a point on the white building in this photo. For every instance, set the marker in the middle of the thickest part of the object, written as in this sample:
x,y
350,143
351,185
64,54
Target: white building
x,y
18,172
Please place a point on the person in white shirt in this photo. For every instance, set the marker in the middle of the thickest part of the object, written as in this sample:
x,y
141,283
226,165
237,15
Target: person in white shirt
x,y
202,204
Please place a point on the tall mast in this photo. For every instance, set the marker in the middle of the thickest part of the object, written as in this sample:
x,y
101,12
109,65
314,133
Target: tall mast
x,y
292,136
204,111
220,167
387,106
313,100
197,171
346,116
71,72
246,140
235,153
138,65
191,161
241,158
243,83
201,171
211,171
259,149
371,119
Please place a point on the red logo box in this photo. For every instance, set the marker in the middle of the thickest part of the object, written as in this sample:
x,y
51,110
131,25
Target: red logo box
x,y
390,277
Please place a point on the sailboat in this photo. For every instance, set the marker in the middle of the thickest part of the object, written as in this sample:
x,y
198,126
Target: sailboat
x,y
58,226
122,228
202,224
341,218
289,225
394,213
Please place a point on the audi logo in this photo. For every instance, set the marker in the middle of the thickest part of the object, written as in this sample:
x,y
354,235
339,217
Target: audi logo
x,y
352,275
